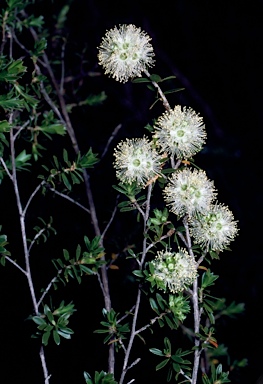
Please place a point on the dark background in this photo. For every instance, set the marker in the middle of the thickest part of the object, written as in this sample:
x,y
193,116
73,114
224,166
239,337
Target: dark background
x,y
215,51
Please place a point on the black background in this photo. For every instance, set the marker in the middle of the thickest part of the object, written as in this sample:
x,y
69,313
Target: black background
x,y
215,51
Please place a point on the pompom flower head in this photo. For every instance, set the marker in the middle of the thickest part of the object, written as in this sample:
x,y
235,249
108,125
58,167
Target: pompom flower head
x,y
125,52
180,132
189,192
136,160
175,271
214,230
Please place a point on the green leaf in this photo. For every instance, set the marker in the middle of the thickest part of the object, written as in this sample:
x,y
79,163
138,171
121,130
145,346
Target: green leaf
x,y
153,305
66,254
156,351
141,80
63,334
45,338
66,182
56,337
167,344
174,90
58,129
13,71
39,320
162,364
4,126
7,102
138,273
93,100
155,78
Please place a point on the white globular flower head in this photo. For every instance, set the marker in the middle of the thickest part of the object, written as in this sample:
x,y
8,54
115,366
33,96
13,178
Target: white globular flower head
x,y
136,161
125,52
174,270
180,132
189,192
214,230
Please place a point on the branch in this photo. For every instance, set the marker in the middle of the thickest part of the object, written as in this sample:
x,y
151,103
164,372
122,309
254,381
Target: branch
x,y
16,265
111,219
126,315
35,238
21,129
152,321
114,133
67,198
184,374
197,313
31,197
162,95
6,169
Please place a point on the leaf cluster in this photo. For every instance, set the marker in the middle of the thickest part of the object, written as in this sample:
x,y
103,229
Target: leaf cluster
x,y
3,251
115,331
70,172
217,376
176,362
100,378
87,262
54,322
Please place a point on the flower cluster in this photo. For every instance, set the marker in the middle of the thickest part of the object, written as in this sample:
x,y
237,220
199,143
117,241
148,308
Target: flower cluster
x,y
215,229
179,305
175,271
125,52
136,160
189,192
180,132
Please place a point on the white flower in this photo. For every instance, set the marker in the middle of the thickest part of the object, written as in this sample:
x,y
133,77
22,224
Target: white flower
x,y
136,160
214,230
174,270
189,192
125,52
180,132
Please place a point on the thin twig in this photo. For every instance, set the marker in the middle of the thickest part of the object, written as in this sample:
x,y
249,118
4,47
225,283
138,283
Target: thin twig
x,y
114,133
152,321
126,315
35,239
169,234
122,345
184,374
16,265
21,129
135,203
48,288
6,169
138,299
111,219
61,87
68,198
31,197
197,313
133,364
44,366
162,95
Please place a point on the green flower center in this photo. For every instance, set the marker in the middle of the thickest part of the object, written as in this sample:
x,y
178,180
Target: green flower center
x,y
170,266
219,226
148,164
123,56
136,162
180,133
